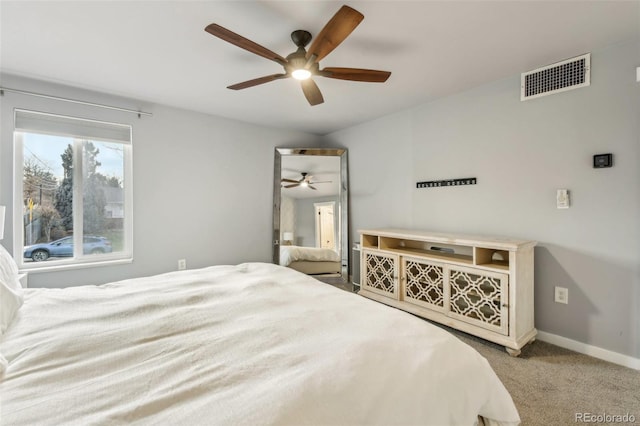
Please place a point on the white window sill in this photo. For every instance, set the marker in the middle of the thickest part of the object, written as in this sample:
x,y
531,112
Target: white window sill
x,y
68,266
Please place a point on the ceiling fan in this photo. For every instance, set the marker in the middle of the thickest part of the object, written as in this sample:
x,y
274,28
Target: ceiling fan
x,y
304,181
303,64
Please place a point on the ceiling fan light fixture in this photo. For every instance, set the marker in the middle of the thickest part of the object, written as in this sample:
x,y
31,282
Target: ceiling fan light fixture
x,y
301,74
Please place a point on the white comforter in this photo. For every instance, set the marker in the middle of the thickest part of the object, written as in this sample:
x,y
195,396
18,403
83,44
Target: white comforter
x,y
290,254
253,344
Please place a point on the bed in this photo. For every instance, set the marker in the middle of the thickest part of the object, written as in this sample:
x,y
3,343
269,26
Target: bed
x,y
250,344
310,260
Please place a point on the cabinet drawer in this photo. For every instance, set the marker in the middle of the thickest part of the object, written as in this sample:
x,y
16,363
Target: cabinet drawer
x,y
424,283
380,273
479,297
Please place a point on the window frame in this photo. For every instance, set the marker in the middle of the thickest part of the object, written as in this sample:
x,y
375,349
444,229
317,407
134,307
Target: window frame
x,y
79,259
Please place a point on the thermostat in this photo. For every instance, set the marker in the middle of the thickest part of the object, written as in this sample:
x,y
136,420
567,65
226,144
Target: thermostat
x,y
602,160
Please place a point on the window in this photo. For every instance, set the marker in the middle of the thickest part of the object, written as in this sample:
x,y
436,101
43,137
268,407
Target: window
x,y
73,198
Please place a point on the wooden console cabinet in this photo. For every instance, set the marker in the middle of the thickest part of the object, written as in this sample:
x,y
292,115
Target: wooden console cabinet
x,y
479,285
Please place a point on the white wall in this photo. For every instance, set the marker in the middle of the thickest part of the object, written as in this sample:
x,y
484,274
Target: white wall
x,y
202,184
380,172
521,152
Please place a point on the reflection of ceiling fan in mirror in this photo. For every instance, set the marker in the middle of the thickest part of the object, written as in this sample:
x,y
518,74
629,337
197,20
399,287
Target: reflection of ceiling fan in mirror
x,y
304,181
303,64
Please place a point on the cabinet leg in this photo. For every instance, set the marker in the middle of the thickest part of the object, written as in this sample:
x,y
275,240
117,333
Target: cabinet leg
x,y
513,352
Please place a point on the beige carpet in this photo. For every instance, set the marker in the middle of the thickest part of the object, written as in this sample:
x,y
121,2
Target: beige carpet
x,y
554,386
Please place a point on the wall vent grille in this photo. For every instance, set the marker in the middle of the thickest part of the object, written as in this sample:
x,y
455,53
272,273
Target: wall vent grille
x,y
559,77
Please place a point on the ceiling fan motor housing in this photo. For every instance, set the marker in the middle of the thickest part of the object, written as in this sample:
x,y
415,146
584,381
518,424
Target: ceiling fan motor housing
x,y
301,37
298,60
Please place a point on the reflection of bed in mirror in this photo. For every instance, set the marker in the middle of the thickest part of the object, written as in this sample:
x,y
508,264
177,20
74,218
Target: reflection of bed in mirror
x,y
310,260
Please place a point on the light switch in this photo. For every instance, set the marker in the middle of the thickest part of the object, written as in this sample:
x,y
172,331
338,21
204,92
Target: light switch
x,y
562,199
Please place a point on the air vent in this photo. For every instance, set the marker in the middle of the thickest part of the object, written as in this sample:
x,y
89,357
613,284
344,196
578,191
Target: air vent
x,y
559,77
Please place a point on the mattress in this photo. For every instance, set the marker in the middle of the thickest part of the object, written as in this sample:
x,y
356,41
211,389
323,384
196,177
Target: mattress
x,y
316,268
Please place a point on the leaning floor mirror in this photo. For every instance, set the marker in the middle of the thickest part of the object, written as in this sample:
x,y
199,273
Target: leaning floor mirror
x,y
310,211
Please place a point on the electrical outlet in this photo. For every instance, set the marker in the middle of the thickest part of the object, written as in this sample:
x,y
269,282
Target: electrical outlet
x,y
182,264
562,295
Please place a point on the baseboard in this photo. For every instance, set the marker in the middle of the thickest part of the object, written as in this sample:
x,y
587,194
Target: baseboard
x,y
594,351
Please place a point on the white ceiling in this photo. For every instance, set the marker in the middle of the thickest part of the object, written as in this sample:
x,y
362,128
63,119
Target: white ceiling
x,y
158,51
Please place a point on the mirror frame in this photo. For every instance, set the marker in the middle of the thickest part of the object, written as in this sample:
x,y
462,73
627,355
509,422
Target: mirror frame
x,y
343,196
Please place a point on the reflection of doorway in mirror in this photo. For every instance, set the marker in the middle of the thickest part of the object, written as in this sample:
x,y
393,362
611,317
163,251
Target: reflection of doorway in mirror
x,y
325,225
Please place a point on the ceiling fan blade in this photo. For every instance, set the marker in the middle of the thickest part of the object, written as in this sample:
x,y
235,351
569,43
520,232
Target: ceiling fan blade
x,y
244,43
312,92
315,189
257,81
334,32
355,74
292,186
322,181
289,180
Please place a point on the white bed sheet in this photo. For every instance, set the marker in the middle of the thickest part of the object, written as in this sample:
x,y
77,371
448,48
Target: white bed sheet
x,y
252,344
290,254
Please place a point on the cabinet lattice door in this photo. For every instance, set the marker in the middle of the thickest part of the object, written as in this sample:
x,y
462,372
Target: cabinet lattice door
x,y
479,298
424,283
380,273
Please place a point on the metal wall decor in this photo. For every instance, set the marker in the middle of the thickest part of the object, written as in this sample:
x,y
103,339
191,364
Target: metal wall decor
x,y
446,182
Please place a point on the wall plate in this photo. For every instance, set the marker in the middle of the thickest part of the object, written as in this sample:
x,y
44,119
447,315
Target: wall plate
x,y
562,199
